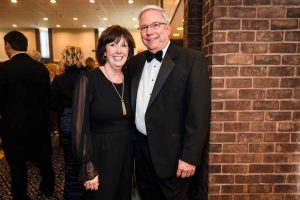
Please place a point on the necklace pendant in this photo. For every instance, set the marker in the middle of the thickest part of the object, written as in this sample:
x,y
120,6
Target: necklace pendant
x,y
123,107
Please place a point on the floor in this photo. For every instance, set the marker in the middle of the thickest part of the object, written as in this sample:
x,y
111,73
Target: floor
x,y
34,177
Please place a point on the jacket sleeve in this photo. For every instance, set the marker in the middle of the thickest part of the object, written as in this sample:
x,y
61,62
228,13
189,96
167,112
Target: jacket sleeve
x,y
198,109
81,133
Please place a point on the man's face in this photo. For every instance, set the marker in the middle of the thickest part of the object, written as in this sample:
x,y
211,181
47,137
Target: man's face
x,y
154,30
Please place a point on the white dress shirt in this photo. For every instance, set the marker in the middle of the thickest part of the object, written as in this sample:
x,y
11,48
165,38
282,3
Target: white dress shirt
x,y
144,92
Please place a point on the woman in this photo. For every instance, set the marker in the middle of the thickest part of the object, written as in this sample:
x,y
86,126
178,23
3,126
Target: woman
x,y
102,119
61,101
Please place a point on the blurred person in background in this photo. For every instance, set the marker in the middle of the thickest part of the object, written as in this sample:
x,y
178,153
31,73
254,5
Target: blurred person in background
x,y
72,63
90,63
35,55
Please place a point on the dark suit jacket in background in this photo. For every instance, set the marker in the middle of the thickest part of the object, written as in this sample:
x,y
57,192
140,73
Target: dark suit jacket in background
x,y
24,92
178,114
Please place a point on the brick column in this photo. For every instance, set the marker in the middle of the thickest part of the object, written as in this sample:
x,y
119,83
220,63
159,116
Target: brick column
x,y
254,54
192,24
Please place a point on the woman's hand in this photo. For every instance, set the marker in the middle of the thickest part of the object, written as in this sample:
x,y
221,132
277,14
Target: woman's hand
x,y
92,184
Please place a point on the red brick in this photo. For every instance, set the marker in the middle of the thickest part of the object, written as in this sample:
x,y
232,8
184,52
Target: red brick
x,y
239,83
259,188
225,48
247,179
235,169
263,126
254,48
249,137
242,12
256,2
293,12
252,94
224,94
296,116
214,189
290,105
276,137
235,148
261,148
267,59
283,48
239,59
237,36
221,179
236,127
216,126
220,197
224,116
253,71
281,71
286,188
279,94
271,12
278,116
218,12
290,82
265,105
285,148
295,137
273,178
292,196
233,188
225,71
247,197
218,60
222,137
291,59
215,148
284,24
214,169
251,116
269,36
273,197
217,105
293,178
255,25
237,105
228,3
249,158
266,82
226,25
292,36
223,158
261,168
217,83
287,127
286,2
287,168
281,158
296,93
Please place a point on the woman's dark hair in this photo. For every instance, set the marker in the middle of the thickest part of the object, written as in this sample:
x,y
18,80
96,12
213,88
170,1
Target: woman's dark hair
x,y
111,34
17,40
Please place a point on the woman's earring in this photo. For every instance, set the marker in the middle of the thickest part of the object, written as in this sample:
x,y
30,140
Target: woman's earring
x,y
104,57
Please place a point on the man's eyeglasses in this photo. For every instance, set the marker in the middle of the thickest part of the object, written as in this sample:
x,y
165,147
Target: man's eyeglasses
x,y
154,25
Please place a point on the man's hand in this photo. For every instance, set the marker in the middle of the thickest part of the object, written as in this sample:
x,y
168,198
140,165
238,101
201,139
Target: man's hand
x,y
185,170
92,184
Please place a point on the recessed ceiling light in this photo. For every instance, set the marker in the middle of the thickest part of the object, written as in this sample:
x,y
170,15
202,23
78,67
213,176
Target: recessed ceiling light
x,y
52,1
130,1
83,25
14,1
57,25
176,35
134,18
45,18
92,1
104,18
179,28
75,18
14,25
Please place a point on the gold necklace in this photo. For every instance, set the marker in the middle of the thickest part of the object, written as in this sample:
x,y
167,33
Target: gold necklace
x,y
121,96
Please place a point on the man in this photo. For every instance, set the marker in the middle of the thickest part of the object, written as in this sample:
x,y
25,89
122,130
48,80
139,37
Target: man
x,y
24,90
171,98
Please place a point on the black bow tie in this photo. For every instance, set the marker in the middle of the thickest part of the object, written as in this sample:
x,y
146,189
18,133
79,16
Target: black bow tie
x,y
157,56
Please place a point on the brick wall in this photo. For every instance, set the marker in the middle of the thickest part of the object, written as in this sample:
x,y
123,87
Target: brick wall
x,y
253,48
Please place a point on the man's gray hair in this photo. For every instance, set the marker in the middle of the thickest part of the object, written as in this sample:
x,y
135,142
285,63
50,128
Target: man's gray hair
x,y
157,8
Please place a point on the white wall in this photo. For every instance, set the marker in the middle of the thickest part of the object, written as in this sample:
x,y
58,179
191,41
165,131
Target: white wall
x,y
29,33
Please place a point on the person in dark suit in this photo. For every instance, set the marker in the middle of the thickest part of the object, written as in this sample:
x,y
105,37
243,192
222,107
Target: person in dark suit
x,y
24,90
170,95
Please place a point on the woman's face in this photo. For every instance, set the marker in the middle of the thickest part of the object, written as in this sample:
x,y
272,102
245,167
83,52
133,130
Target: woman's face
x,y
117,53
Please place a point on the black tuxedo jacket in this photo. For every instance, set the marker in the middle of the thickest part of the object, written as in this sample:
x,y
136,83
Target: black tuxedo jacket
x,y
178,114
24,92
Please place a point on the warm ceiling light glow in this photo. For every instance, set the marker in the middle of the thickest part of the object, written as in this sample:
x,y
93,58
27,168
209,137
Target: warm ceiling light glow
x,y
57,25
75,18
43,29
130,1
14,25
134,19
52,1
176,35
104,18
84,26
45,18
179,28
92,1
136,26
14,1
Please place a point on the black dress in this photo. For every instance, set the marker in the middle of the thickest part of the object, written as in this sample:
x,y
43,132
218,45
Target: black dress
x,y
102,135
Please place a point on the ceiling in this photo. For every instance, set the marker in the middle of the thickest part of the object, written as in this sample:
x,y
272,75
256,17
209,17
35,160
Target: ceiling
x,y
30,13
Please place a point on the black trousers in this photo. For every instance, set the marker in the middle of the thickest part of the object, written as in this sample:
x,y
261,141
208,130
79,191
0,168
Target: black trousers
x,y
16,158
149,185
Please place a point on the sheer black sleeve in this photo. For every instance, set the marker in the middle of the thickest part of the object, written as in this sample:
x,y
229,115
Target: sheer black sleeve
x,y
81,134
